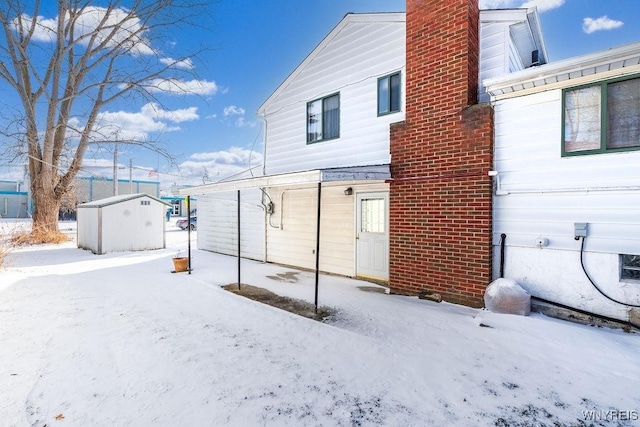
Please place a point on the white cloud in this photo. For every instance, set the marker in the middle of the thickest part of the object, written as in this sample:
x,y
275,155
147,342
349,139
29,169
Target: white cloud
x,y
137,126
495,4
129,36
182,87
186,63
241,122
233,110
543,5
590,25
177,116
220,164
233,155
239,112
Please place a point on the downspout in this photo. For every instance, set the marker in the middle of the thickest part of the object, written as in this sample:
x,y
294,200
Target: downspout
x,y
503,238
264,143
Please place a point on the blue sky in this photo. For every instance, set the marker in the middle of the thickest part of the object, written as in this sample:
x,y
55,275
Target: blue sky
x,y
256,44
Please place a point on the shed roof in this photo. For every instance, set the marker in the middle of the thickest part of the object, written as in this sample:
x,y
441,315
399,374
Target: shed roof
x,y
119,199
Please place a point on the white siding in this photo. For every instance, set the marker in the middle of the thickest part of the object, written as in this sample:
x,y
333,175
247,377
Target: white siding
x,y
542,194
218,224
498,54
88,227
291,238
350,64
131,226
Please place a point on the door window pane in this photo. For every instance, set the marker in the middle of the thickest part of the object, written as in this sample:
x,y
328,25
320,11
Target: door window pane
x,y
372,216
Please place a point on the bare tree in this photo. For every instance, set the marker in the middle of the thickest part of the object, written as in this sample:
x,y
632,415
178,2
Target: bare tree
x,y
66,69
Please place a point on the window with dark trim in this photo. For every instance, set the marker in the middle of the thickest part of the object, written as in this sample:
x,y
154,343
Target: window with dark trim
x,y
389,94
630,267
323,118
601,118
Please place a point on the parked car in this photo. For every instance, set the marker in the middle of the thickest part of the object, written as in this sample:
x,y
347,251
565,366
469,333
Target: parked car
x,y
182,223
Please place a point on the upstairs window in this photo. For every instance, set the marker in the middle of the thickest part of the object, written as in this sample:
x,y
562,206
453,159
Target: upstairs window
x,y
602,118
323,118
389,94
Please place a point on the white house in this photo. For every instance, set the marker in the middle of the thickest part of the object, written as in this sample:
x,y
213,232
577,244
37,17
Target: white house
x,y
328,124
327,138
567,190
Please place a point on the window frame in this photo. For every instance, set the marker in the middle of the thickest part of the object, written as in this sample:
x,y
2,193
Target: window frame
x,y
603,85
322,124
390,110
624,266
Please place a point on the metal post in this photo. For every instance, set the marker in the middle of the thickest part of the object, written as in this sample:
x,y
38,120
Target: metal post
x,y
239,240
318,245
115,170
130,176
189,233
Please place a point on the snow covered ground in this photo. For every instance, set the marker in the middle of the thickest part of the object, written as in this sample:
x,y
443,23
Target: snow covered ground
x,y
117,339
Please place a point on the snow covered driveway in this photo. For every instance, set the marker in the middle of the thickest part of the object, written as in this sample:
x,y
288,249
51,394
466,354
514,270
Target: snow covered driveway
x,y
116,339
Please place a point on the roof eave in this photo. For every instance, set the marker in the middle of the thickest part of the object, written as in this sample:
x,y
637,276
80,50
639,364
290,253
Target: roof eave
x,y
579,70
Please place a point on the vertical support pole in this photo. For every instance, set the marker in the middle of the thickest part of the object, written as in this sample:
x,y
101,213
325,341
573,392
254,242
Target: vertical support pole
x,y
130,176
318,246
115,170
239,257
189,233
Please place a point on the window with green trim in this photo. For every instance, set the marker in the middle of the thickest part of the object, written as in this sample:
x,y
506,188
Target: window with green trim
x,y
601,118
389,94
323,118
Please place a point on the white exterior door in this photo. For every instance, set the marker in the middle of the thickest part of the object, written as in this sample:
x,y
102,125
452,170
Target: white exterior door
x,y
372,235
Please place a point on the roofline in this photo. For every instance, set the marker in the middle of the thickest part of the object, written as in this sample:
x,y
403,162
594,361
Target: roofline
x,y
333,175
108,201
573,71
347,19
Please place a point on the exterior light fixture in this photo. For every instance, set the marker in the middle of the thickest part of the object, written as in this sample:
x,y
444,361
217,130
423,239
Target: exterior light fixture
x,y
348,191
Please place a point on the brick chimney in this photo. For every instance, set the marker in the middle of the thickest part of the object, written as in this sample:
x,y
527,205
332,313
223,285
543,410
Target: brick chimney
x,y
440,198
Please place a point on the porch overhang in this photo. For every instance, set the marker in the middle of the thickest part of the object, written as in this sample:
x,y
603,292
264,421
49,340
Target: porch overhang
x,y
378,173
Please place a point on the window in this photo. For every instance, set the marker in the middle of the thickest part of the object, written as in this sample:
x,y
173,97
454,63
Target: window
x,y
389,94
323,118
601,118
630,267
372,216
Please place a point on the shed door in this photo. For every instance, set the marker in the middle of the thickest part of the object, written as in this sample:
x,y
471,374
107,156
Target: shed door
x,y
372,235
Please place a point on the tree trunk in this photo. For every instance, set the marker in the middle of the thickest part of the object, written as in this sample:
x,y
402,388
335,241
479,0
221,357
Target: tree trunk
x,y
46,206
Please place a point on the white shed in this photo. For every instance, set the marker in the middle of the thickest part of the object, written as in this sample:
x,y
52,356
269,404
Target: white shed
x,y
130,222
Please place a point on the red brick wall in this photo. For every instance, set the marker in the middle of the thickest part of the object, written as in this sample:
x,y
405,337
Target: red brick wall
x,y
440,206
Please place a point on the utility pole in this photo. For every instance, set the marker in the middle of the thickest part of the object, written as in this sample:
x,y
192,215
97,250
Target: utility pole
x,y
130,176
